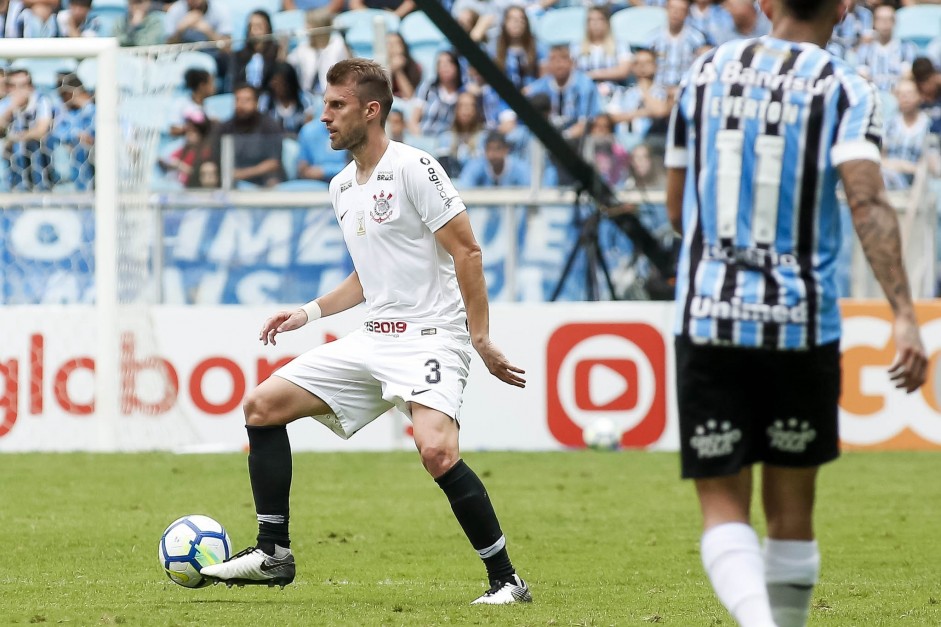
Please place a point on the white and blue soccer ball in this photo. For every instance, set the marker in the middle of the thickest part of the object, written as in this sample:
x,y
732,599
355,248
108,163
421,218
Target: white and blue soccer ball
x,y
602,435
190,543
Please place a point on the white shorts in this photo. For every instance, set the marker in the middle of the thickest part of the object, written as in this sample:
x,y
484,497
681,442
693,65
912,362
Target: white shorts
x,y
363,375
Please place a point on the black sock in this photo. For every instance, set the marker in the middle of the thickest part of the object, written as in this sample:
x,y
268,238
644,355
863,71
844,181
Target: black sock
x,y
474,511
269,468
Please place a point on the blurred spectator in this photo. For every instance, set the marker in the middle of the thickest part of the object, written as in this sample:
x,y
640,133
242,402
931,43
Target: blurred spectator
x,y
285,101
526,148
516,51
647,171
433,109
904,138
710,19
641,105
208,175
75,130
142,26
317,161
886,59
333,6
475,24
933,52
601,148
198,20
197,149
855,28
405,72
676,45
573,96
497,114
395,125
256,138
465,139
486,21
315,55
399,7
26,121
38,21
496,167
201,85
604,60
254,62
747,21
928,80
76,21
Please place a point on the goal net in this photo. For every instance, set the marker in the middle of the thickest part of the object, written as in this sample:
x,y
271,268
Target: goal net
x,y
81,242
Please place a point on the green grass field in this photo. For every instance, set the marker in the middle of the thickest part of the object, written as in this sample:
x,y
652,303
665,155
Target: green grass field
x,y
603,539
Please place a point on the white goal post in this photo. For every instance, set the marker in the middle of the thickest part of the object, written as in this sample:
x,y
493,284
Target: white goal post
x,y
105,51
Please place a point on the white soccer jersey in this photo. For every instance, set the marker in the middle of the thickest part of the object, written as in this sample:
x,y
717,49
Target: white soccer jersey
x,y
389,226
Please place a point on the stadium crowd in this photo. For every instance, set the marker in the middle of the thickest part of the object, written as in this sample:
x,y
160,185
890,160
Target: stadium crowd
x,y
603,73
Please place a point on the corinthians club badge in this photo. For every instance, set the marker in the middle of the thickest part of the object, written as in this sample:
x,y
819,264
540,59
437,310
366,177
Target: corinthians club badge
x,y
382,210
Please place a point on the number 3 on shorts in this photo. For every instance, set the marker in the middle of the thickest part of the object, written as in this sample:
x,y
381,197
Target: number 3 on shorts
x,y
435,375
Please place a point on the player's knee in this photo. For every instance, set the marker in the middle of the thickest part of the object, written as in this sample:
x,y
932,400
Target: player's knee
x,y
258,410
437,458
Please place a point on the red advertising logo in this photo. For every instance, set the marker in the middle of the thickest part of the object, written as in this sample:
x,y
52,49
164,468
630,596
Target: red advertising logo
x,y
611,370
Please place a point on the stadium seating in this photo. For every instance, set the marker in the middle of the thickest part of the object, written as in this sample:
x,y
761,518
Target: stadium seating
x,y
107,14
220,107
45,71
562,26
360,30
302,185
290,150
918,24
423,38
289,22
635,26
130,74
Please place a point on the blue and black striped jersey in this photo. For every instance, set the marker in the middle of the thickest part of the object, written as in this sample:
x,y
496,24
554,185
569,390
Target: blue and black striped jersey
x,y
760,125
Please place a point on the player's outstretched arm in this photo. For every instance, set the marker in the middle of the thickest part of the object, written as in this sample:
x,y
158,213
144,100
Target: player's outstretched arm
x,y
458,239
347,294
878,229
676,183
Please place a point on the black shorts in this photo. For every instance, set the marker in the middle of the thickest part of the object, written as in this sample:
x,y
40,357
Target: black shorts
x,y
740,406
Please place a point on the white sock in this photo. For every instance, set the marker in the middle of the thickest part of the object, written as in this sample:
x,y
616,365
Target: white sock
x,y
791,570
731,555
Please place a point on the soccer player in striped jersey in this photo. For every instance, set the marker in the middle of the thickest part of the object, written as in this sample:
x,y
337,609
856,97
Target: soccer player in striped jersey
x,y
762,132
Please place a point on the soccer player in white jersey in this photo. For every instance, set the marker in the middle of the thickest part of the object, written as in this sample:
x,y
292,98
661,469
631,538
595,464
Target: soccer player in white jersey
x,y
762,132
418,268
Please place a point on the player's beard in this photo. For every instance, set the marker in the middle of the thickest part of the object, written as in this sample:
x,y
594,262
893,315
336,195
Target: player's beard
x,y
351,141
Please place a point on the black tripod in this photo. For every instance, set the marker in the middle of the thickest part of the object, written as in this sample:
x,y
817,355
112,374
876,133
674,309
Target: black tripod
x,y
586,241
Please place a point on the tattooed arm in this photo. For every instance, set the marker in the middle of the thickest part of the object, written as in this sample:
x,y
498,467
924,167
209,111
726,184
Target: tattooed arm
x,y
878,230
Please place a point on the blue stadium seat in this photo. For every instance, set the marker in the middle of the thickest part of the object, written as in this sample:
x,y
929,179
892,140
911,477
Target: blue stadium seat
x,y
635,26
360,31
918,24
302,185
290,150
196,59
562,26
220,107
44,71
289,21
106,4
130,74
424,40
417,29
107,15
147,111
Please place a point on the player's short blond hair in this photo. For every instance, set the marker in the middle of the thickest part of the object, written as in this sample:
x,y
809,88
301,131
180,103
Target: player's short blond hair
x,y
371,79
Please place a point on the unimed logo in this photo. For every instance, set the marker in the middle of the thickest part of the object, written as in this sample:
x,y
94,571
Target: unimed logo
x,y
610,370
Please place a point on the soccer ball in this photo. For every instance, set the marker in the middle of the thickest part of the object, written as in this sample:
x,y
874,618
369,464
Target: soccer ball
x,y
602,435
190,543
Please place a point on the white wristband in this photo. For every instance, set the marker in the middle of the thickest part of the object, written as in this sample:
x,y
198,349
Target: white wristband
x,y
313,310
